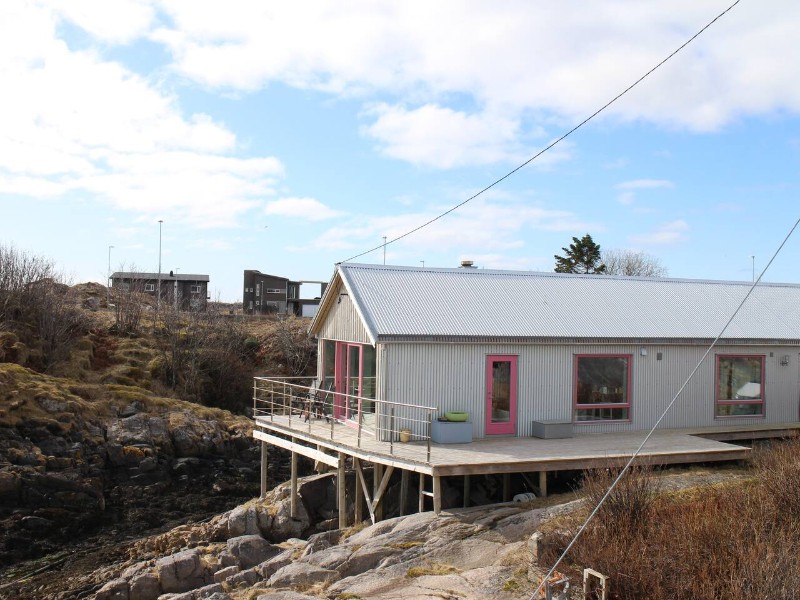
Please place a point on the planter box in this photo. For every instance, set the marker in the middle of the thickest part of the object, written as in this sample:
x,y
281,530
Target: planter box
x,y
551,430
451,432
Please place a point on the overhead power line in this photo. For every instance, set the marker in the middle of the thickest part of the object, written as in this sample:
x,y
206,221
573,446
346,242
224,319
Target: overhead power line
x,y
552,144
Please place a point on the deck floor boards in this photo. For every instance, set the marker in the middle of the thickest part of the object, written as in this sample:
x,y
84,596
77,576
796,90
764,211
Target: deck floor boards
x,y
508,454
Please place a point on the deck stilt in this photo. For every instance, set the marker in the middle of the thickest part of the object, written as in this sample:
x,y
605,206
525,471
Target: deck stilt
x,y
361,483
403,491
359,493
293,493
421,492
543,484
263,470
377,477
437,494
341,492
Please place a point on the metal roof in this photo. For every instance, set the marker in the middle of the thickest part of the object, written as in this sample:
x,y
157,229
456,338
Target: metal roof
x,y
425,303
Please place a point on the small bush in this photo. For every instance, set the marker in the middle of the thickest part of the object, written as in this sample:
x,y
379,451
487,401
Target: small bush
x,y
778,467
738,540
631,501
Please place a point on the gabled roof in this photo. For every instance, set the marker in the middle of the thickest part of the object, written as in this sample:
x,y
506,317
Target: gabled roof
x,y
405,303
154,276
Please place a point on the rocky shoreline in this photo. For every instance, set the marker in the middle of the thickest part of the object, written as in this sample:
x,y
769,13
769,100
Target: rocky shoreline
x,y
84,460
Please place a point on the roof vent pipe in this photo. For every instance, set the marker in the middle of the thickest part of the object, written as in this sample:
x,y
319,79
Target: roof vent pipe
x,y
467,264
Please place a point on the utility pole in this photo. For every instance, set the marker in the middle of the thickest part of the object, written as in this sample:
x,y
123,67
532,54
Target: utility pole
x,y
754,268
108,279
158,289
384,250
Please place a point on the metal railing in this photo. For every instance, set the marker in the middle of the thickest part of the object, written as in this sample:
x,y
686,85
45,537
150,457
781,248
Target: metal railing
x,y
302,403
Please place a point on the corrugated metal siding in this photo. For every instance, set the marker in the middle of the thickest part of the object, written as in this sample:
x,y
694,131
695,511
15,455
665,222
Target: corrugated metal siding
x,y
410,301
452,377
343,322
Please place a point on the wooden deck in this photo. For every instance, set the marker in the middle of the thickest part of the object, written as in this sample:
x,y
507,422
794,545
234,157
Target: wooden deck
x,y
499,454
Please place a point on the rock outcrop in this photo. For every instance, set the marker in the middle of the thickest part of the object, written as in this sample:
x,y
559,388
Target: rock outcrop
x,y
75,457
472,553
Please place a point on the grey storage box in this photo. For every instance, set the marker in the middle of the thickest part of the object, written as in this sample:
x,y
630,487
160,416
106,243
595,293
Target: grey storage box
x,y
551,430
451,432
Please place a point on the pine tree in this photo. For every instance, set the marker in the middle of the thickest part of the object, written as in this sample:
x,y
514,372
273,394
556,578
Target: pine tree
x,y
582,256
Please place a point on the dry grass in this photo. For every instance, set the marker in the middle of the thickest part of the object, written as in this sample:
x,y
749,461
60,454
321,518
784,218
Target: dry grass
x,y
432,569
740,540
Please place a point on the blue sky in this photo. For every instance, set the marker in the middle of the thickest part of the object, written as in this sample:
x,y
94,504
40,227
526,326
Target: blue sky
x,y
286,137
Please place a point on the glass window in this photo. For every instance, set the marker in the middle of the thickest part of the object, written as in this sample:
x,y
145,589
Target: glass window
x,y
328,363
740,386
149,287
602,388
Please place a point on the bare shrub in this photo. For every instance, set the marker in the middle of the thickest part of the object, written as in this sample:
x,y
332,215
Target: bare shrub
x,y
632,263
630,502
730,541
130,304
35,304
205,358
287,348
778,467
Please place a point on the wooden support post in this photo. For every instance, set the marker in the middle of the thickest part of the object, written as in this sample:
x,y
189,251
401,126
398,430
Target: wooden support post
x,y
341,492
377,476
543,484
421,492
403,491
359,495
506,487
466,490
293,492
437,494
263,470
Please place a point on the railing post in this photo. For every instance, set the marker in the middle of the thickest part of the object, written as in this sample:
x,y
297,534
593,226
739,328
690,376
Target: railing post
x,y
289,398
430,425
391,431
271,401
333,413
359,421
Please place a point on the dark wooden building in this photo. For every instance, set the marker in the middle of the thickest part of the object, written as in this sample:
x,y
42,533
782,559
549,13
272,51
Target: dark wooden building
x,y
264,294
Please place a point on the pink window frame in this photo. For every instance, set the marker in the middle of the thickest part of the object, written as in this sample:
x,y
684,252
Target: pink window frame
x,y
511,426
718,402
628,388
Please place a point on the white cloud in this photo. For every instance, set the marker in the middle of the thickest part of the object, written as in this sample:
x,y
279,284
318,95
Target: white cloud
x,y
452,85
119,21
566,63
303,208
668,233
79,124
485,225
444,138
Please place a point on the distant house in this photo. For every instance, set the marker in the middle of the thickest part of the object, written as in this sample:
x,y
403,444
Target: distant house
x,y
590,352
270,294
183,291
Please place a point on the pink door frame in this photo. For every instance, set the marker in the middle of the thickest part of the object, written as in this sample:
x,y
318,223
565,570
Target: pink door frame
x,y
502,428
341,409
